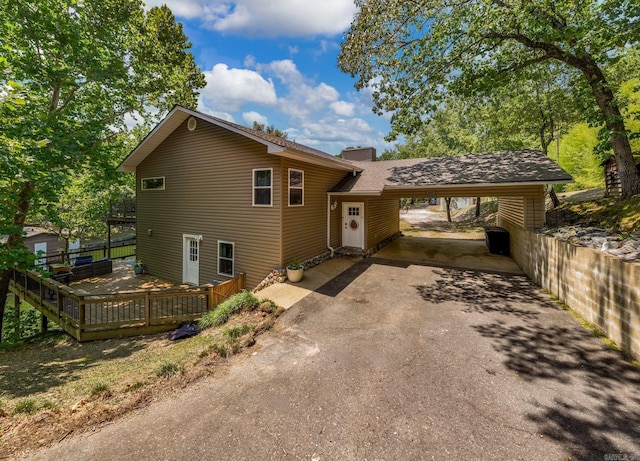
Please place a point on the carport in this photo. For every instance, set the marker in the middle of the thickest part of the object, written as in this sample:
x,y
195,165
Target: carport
x,y
363,210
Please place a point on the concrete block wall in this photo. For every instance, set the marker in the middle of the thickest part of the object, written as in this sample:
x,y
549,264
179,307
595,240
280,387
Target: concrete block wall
x,y
603,289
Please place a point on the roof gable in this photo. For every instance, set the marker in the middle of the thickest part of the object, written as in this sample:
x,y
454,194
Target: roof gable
x,y
275,145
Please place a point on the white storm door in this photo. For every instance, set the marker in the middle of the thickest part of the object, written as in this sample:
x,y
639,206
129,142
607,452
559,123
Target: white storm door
x,y
191,259
353,224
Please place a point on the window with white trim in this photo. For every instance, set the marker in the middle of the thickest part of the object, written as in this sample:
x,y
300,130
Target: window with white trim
x,y
226,252
152,183
296,187
263,187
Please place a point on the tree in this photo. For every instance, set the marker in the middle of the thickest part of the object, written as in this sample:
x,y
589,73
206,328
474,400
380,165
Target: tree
x,y
270,129
413,53
72,72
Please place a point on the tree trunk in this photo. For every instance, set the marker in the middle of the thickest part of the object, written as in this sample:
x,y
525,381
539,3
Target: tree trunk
x,y
629,176
553,196
477,207
13,241
447,201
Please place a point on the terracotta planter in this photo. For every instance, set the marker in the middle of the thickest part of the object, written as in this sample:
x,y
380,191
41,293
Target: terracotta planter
x,y
294,275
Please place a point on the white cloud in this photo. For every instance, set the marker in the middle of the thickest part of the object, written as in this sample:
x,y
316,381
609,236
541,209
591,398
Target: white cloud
x,y
253,116
285,70
277,18
344,108
231,88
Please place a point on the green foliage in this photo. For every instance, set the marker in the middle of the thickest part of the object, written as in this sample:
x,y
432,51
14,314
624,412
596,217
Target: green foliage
x,y
72,74
578,159
99,388
17,328
295,264
233,333
219,315
169,369
26,406
270,129
415,56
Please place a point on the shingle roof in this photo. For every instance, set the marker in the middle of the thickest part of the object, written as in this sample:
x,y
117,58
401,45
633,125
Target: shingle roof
x,y
504,167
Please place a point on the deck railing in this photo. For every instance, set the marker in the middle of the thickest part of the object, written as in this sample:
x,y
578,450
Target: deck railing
x,y
87,316
119,250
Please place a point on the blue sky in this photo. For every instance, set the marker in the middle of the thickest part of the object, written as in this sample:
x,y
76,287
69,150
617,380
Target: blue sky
x,y
274,61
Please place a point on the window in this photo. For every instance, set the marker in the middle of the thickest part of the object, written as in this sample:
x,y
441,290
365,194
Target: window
x,y
225,258
153,183
296,187
262,187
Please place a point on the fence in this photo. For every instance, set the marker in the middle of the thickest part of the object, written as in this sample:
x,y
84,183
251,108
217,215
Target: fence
x,y
89,316
120,250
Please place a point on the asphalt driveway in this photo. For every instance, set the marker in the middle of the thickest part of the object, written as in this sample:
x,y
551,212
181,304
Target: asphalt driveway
x,y
394,360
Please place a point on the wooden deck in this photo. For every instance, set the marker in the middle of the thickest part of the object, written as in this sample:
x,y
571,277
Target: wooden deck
x,y
120,304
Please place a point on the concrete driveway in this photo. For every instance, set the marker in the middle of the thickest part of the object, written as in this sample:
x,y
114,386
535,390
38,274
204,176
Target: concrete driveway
x,y
395,360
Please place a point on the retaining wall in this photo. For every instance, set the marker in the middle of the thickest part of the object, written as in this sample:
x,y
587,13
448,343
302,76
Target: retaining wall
x,y
603,289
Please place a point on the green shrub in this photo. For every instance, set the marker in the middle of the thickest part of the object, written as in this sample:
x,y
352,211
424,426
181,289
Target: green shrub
x,y
218,316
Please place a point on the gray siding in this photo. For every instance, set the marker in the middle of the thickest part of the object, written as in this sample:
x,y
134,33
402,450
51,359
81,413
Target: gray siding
x,y
208,192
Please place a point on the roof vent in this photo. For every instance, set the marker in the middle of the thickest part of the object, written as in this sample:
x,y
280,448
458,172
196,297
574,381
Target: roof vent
x,y
191,123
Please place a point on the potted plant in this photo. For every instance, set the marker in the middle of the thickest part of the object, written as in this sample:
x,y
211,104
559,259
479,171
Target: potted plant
x,y
138,267
294,271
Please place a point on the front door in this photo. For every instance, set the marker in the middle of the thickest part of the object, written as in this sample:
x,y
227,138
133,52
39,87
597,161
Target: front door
x,y
353,224
191,260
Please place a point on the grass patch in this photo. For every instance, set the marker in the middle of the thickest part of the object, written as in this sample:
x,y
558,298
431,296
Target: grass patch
x,y
608,213
26,406
245,300
169,369
100,388
54,371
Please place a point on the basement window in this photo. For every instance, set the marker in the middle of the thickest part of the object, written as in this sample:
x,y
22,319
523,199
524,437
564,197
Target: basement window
x,y
225,258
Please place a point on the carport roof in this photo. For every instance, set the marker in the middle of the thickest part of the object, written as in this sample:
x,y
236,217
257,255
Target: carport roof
x,y
521,167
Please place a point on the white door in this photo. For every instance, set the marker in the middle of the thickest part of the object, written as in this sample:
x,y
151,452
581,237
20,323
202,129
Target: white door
x,y
353,224
191,259
40,249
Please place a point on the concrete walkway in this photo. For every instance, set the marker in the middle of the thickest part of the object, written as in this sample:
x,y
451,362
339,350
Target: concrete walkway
x,y
392,359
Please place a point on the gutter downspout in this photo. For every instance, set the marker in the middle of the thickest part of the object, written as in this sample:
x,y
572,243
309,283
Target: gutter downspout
x,y
329,225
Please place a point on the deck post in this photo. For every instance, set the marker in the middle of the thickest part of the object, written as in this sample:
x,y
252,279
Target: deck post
x,y
210,303
44,323
147,309
241,281
81,315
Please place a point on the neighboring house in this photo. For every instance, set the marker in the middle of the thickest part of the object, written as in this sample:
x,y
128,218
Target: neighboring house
x,y
41,241
215,198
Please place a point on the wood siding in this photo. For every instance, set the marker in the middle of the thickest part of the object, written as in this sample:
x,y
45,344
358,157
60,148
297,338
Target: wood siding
x,y
522,212
208,191
383,220
304,228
